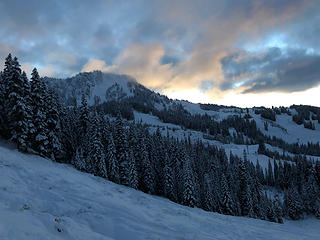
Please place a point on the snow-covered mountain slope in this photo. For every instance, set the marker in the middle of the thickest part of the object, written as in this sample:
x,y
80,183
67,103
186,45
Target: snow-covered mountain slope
x,y
40,199
288,130
102,86
153,123
283,127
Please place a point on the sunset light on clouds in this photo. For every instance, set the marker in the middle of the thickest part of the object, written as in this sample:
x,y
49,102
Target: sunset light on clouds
x,y
241,53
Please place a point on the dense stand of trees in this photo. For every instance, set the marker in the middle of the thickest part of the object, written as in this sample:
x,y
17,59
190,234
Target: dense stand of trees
x,y
192,174
29,112
246,128
305,114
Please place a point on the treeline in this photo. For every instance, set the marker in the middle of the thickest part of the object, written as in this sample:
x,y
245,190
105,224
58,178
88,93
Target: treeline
x,y
305,114
247,131
300,183
195,175
246,128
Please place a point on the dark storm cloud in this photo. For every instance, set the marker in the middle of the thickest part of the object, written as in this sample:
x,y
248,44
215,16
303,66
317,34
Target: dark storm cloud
x,y
241,63
286,70
305,29
35,29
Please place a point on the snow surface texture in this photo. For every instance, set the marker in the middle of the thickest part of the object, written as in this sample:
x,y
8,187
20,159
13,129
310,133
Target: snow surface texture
x,y
40,199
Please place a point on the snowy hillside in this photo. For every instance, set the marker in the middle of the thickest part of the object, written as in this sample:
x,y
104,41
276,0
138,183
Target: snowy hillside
x,y
196,155
103,87
96,85
283,127
41,199
153,123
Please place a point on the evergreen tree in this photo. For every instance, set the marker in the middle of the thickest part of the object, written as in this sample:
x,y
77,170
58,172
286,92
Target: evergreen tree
x,y
293,204
121,148
132,174
6,76
261,148
70,132
157,162
96,154
38,94
54,148
278,209
208,202
28,109
270,178
188,191
19,127
255,203
311,192
227,204
78,160
148,175
169,186
2,102
244,191
113,165
271,215
259,173
84,118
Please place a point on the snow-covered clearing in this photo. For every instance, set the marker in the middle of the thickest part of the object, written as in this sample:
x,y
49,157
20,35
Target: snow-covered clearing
x,y
283,127
40,199
177,131
287,129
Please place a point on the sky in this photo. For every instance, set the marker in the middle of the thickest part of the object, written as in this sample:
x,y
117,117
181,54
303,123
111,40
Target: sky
x,y
233,52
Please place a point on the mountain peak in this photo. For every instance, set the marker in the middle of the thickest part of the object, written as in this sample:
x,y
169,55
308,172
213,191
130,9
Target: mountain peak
x,y
98,86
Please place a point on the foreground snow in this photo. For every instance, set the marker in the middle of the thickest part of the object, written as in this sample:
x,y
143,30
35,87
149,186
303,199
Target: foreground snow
x,y
40,199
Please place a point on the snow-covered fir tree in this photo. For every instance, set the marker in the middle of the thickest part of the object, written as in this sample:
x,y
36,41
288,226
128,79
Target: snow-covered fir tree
x,y
169,179
112,161
79,161
132,174
120,141
53,126
293,204
189,189
38,96
17,106
148,174
227,204
244,191
96,155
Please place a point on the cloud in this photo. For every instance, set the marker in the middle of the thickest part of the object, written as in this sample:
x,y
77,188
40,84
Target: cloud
x,y
95,64
206,85
275,70
166,45
27,67
142,61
